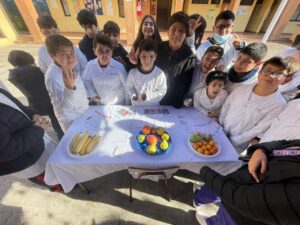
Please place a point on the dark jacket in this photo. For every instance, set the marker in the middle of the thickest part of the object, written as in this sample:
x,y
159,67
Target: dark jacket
x,y
21,142
31,82
120,52
273,201
86,47
178,68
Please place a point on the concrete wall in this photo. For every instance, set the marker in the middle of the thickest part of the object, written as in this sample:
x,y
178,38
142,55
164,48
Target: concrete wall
x,y
259,14
70,24
242,17
208,11
291,27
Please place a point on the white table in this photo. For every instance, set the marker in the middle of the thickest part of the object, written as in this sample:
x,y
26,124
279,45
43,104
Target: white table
x,y
116,150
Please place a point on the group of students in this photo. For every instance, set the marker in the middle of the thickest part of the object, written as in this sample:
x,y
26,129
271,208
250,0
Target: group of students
x,y
224,78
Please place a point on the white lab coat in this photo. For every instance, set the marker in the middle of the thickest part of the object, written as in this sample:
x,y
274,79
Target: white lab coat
x,y
198,80
153,84
68,104
107,83
230,53
45,60
286,126
290,89
246,115
203,104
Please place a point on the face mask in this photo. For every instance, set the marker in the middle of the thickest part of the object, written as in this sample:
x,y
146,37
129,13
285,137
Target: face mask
x,y
221,39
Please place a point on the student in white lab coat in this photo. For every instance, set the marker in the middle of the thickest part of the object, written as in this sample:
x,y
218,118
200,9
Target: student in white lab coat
x,y
208,63
104,77
63,81
146,84
223,37
47,27
210,99
290,88
286,125
250,109
246,67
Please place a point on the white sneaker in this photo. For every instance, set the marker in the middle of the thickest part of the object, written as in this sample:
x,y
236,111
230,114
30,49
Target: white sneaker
x,y
205,211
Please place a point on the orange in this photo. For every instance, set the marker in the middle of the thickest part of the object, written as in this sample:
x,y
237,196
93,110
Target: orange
x,y
146,129
152,139
207,152
195,146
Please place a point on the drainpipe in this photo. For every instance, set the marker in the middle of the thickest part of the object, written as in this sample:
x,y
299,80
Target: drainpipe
x,y
274,21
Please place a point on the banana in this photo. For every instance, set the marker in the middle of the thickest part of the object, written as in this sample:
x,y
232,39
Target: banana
x,y
74,142
81,142
92,143
82,151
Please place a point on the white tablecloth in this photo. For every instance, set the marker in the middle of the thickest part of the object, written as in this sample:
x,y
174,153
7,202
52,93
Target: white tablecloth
x,y
117,151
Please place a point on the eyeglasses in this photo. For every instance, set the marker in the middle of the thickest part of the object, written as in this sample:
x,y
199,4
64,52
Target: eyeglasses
x,y
273,75
223,27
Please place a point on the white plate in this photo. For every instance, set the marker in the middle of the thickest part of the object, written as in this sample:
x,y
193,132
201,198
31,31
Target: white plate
x,y
190,144
78,156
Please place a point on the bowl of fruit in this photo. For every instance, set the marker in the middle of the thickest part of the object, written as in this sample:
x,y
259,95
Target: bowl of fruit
x,y
153,140
203,144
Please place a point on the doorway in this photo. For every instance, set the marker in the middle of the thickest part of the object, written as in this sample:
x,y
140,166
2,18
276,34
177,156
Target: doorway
x,y
163,14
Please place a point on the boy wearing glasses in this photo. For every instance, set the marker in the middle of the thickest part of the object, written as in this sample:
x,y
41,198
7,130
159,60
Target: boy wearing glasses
x,y
104,77
89,23
249,109
223,37
246,67
48,26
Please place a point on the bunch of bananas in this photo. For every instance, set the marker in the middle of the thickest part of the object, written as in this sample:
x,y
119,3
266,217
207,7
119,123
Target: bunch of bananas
x,y
83,143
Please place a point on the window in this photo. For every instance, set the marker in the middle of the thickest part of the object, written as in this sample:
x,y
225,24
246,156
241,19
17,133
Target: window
x,y
65,7
296,16
247,2
121,8
215,1
199,1
41,7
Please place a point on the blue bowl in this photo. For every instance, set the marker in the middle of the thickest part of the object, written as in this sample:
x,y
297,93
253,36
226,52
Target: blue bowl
x,y
142,147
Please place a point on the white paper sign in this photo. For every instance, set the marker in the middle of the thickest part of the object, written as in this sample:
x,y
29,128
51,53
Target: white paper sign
x,y
109,8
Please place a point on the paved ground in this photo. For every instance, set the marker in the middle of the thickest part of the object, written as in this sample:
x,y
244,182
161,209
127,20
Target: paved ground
x,y
22,202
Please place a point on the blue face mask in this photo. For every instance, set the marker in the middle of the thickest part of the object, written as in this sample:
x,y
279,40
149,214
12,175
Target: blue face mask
x,y
221,39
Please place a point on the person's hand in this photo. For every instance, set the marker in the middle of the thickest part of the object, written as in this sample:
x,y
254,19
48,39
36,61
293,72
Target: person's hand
x,y
254,141
257,163
193,25
69,78
41,121
236,41
133,56
96,99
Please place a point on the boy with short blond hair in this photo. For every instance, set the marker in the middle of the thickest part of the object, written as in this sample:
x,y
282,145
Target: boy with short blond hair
x,y
104,77
63,81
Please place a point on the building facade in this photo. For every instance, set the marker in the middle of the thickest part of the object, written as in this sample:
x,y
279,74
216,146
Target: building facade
x,y
18,17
